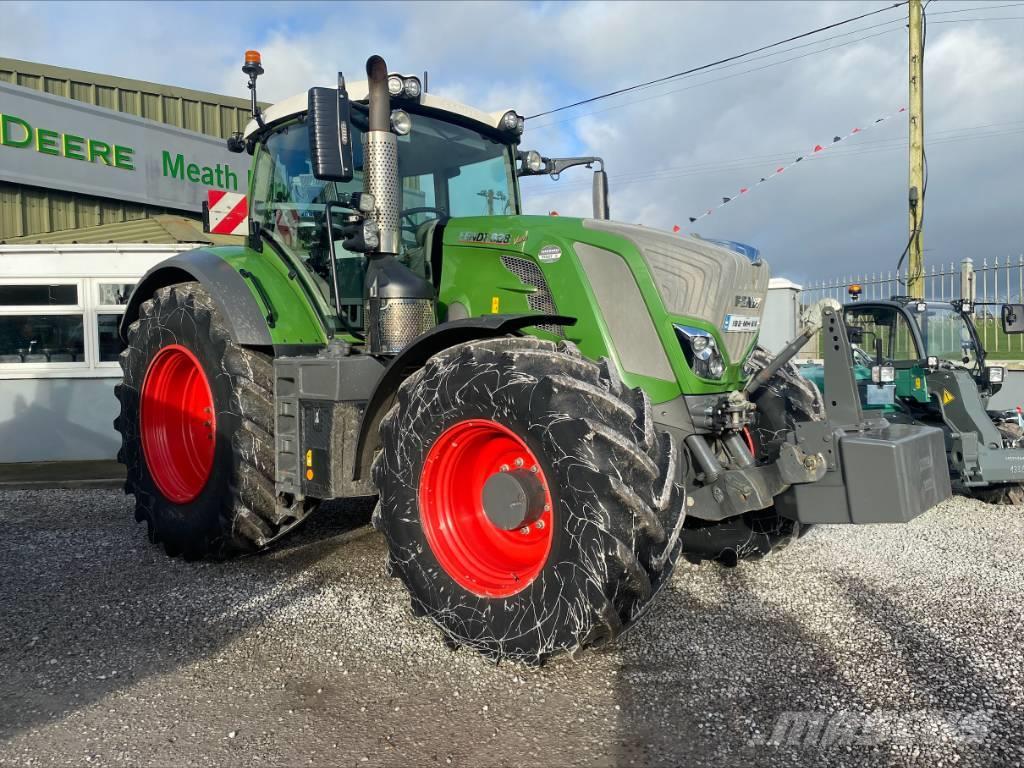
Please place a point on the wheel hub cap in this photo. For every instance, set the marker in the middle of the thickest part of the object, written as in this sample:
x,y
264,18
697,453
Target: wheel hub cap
x,y
178,424
486,508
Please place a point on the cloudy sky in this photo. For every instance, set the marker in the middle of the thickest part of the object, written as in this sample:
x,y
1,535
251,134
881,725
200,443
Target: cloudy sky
x,y
673,150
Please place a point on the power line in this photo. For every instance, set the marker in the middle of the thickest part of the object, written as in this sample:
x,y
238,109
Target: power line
x,y
713,63
973,8
718,79
990,18
888,145
779,53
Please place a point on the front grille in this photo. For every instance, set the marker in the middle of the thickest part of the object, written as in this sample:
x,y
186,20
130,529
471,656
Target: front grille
x,y
541,299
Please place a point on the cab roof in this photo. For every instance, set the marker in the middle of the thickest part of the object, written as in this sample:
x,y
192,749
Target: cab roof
x,y
359,91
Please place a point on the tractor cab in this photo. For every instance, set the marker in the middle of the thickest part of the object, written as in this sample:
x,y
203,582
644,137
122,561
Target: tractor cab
x,y
443,161
897,343
922,362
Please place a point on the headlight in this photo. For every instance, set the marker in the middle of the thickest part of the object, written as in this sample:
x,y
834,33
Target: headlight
x,y
996,373
395,85
701,352
411,88
401,123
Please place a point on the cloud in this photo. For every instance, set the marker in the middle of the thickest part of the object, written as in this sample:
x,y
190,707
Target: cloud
x,y
671,149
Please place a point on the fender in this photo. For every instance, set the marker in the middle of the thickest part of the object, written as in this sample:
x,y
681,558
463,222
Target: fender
x,y
246,319
415,356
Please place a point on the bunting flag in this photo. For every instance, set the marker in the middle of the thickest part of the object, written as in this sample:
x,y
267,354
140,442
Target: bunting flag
x,y
818,149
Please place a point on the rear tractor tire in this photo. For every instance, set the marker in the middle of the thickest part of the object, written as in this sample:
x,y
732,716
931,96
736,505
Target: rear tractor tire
x,y
787,398
528,503
196,428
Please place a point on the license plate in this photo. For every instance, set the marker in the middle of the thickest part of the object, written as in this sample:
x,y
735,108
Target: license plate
x,y
735,323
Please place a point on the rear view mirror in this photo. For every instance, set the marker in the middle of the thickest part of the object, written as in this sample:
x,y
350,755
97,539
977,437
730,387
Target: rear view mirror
x,y
1013,318
601,195
855,334
330,134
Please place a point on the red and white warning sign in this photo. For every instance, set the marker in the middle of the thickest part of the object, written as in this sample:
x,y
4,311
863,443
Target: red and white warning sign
x,y
229,212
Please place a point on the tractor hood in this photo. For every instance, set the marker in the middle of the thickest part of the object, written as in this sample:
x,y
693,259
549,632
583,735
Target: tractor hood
x,y
699,280
629,287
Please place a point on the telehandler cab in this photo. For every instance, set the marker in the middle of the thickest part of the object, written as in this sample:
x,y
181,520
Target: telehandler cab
x,y
922,362
550,410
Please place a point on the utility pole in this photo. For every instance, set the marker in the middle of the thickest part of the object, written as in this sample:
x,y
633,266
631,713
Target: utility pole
x,y
915,267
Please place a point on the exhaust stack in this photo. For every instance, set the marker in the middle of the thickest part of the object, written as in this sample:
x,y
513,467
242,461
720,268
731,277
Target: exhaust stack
x,y
399,304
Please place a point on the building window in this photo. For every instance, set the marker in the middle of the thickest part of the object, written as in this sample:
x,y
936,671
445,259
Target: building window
x,y
38,295
111,299
42,339
61,329
42,325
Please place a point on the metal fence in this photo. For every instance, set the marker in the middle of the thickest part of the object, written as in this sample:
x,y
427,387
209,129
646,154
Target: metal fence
x,y
992,282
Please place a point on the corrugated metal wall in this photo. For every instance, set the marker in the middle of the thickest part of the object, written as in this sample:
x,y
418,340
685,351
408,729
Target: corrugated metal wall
x,y
26,210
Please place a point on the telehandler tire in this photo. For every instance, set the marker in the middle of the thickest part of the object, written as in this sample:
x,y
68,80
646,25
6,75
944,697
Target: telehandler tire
x,y
787,398
196,426
528,503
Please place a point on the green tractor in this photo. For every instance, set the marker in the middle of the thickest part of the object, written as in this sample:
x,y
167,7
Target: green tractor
x,y
922,362
550,411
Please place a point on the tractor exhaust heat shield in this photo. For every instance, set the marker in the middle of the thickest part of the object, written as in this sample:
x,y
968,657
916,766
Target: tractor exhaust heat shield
x,y
399,306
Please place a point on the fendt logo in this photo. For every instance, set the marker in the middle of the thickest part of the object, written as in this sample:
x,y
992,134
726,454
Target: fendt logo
x,y
748,302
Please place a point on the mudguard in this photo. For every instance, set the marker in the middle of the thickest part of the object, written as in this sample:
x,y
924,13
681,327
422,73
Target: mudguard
x,y
422,349
249,323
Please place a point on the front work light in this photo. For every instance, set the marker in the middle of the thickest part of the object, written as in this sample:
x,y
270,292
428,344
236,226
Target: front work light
x,y
996,374
533,161
411,88
883,374
401,123
395,85
510,121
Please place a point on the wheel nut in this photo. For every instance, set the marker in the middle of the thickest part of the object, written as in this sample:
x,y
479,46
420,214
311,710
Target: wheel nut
x,y
503,468
540,525
519,462
535,469
524,530
810,462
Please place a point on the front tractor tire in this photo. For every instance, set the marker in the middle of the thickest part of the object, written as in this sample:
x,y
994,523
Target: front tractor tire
x,y
196,428
528,504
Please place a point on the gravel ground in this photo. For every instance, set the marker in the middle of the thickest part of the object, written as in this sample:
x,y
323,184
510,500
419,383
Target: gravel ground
x,y
112,653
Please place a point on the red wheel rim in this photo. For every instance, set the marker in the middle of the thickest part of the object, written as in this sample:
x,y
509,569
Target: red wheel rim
x,y
480,556
179,426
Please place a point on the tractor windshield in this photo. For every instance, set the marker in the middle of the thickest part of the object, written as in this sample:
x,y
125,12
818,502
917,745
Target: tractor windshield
x,y
446,170
946,334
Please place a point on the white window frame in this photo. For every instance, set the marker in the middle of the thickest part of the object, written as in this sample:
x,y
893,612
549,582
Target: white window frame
x,y
65,310
87,267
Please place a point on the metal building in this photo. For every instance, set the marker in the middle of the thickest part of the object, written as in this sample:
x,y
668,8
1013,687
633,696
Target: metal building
x,y
30,210
100,178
